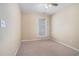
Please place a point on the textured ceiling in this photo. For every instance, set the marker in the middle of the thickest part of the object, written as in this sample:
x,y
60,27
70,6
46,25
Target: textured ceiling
x,y
40,7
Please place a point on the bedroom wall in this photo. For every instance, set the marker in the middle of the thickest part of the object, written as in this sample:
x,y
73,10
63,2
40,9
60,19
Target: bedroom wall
x,y
10,35
65,26
29,25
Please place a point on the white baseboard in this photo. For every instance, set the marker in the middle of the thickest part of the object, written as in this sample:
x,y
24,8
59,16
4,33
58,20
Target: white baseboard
x,y
67,45
17,49
30,40
35,39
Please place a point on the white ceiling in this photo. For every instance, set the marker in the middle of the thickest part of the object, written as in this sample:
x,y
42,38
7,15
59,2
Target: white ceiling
x,y
40,7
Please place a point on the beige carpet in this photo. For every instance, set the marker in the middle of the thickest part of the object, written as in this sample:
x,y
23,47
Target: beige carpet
x,y
45,48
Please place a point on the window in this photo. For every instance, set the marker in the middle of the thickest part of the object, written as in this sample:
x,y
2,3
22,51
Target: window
x,y
42,27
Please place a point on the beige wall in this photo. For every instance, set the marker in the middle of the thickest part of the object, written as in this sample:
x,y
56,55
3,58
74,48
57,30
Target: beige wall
x,y
29,25
10,36
65,26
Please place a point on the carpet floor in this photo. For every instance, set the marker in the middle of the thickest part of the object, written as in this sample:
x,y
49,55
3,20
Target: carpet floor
x,y
45,48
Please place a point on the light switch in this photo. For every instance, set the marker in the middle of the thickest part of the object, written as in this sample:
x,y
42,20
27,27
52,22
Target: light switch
x,y
2,23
